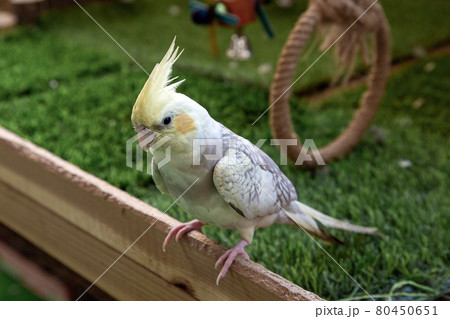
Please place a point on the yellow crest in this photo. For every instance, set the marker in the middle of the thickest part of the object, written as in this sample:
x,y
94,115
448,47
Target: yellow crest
x,y
158,90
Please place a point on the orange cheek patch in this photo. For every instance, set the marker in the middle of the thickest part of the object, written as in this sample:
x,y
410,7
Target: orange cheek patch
x,y
184,123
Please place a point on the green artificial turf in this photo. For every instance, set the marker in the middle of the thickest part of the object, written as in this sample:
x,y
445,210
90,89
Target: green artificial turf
x,y
75,100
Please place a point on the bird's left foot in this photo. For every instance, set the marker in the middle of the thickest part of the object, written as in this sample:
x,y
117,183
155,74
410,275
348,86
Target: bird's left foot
x,y
181,230
229,257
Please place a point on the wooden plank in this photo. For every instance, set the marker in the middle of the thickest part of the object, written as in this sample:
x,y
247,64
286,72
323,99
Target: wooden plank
x,y
114,219
126,280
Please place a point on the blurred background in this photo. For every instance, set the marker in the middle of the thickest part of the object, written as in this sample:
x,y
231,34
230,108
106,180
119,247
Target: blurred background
x,y
67,86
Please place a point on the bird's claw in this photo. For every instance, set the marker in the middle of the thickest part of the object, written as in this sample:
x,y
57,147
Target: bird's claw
x,y
228,258
180,230
218,278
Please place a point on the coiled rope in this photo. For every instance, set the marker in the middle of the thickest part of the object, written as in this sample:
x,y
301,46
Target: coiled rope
x,y
348,38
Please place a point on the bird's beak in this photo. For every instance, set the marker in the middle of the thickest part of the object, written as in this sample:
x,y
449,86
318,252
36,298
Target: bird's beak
x,y
146,138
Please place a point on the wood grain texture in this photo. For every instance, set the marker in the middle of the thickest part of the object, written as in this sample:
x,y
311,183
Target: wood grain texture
x,y
85,223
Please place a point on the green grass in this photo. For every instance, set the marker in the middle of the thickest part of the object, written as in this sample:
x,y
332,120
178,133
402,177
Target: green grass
x,y
86,120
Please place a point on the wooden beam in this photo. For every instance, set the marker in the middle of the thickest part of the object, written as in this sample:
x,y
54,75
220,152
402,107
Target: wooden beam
x,y
75,248
86,224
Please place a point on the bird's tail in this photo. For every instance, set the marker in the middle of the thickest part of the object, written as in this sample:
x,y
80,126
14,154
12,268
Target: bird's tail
x,y
305,217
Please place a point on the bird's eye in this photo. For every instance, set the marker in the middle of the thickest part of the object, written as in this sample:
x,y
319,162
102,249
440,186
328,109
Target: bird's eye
x,y
167,120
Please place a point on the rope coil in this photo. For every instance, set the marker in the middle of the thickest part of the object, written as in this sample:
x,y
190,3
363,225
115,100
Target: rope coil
x,y
348,39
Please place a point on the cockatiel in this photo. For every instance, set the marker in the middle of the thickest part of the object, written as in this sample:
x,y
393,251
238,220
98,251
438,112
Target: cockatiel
x,y
215,175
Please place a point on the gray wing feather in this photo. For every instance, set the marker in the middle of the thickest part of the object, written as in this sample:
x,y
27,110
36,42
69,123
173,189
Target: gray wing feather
x,y
249,180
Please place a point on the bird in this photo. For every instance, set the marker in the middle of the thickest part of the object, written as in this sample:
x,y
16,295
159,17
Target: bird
x,y
213,174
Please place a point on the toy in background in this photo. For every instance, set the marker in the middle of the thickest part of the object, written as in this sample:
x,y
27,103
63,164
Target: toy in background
x,y
235,14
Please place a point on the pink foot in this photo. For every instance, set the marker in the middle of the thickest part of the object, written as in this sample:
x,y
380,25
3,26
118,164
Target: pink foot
x,y
229,257
181,230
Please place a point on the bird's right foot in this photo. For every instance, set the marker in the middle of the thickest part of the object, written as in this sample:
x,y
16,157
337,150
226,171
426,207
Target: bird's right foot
x,y
228,258
181,230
